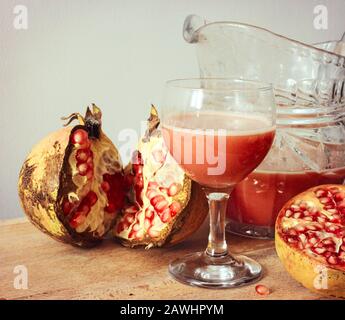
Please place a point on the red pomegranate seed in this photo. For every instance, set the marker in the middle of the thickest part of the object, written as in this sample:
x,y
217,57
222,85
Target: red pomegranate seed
x,y
80,137
320,193
92,197
319,250
166,216
105,186
153,233
77,219
82,169
161,205
84,209
327,242
131,209
152,185
130,218
82,155
136,227
262,290
175,207
313,240
332,260
157,199
149,214
297,215
173,189
294,208
67,207
89,174
325,200
288,213
151,193
300,228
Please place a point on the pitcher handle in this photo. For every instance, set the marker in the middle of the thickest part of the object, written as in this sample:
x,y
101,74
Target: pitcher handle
x,y
190,26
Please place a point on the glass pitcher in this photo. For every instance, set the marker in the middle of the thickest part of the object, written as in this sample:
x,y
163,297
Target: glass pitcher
x,y
309,84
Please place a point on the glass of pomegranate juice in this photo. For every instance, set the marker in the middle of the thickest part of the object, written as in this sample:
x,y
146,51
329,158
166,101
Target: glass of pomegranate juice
x,y
219,131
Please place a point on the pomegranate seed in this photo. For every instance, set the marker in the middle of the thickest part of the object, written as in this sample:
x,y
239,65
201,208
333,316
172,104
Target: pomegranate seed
x,y
321,219
320,193
294,208
308,218
82,169
300,228
80,137
82,155
161,205
151,193
332,260
130,218
153,233
131,209
325,200
173,190
157,199
110,208
319,250
292,232
262,290
291,240
313,240
77,220
67,207
136,227
92,197
139,234
105,186
89,174
297,215
166,216
327,242
175,207
149,214
311,227
152,185
288,213
84,209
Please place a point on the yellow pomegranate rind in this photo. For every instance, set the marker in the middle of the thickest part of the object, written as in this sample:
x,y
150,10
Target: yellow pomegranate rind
x,y
44,175
310,272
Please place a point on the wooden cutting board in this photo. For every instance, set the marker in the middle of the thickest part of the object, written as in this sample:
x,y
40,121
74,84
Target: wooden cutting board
x,y
110,271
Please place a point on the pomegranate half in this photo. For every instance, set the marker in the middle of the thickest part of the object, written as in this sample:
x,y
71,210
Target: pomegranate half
x,y
164,206
71,184
310,239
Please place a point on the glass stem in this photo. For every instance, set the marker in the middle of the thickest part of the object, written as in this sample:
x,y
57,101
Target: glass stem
x,y
217,201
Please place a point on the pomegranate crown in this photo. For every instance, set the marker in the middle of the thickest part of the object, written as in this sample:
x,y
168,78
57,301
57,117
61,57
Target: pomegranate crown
x,y
153,123
92,120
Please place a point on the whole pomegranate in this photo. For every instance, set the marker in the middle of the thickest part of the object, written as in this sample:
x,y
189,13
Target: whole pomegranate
x,y
164,206
71,185
310,239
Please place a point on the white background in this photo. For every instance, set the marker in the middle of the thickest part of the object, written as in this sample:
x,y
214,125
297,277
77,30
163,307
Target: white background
x,y
115,53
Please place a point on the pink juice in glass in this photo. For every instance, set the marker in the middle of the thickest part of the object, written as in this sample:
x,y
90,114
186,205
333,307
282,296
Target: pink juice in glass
x,y
218,149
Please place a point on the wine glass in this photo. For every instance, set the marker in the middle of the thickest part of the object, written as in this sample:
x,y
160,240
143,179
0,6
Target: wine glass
x,y
218,130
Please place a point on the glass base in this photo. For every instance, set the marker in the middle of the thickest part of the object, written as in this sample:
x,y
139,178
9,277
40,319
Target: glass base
x,y
199,269
250,230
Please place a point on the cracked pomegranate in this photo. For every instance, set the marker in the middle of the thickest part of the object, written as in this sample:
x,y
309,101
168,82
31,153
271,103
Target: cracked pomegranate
x,y
71,185
164,206
310,239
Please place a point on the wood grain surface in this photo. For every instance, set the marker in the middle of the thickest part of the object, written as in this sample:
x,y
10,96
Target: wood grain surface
x,y
110,271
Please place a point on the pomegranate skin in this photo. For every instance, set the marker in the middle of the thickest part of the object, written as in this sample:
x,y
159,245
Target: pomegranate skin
x,y
309,270
45,178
